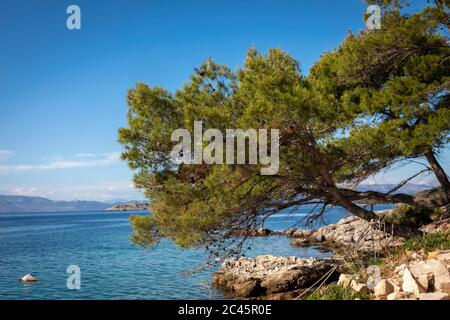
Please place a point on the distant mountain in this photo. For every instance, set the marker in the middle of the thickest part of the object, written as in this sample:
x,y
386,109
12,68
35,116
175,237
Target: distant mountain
x,y
409,188
130,206
37,204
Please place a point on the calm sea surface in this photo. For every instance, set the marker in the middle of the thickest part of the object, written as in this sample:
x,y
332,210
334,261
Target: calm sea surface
x,y
45,244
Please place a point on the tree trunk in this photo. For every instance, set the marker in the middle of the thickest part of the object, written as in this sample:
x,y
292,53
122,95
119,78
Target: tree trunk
x,y
440,174
343,200
354,208
397,229
353,195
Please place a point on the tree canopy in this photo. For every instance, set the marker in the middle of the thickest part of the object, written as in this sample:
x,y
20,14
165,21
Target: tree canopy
x,y
381,97
397,82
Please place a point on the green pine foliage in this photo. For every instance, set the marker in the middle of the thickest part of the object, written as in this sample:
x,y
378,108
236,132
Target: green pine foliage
x,y
382,96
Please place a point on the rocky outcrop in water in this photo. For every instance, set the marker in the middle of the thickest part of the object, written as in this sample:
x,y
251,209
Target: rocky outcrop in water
x,y
260,232
271,277
351,232
130,206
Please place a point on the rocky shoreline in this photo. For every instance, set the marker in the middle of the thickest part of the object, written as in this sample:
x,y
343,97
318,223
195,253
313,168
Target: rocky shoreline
x,y
424,276
351,232
271,277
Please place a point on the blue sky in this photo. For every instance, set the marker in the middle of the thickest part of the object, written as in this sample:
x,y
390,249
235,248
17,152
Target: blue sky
x,y
62,92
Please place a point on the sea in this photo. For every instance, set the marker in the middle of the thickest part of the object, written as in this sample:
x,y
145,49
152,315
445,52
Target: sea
x,y
98,245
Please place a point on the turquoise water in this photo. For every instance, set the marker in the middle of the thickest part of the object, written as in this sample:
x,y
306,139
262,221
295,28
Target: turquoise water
x,y
45,244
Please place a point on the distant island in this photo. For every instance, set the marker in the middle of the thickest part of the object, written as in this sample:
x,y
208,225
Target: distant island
x,y
17,204
130,206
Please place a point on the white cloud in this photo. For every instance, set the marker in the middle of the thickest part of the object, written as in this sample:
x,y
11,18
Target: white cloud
x,y
102,191
107,159
85,155
397,175
5,154
53,158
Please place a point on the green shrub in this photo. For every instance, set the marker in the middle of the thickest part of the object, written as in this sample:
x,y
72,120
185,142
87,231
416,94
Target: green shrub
x,y
336,292
378,261
412,216
429,242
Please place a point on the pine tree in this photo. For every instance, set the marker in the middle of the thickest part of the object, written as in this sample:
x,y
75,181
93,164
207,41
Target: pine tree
x,y
397,81
381,97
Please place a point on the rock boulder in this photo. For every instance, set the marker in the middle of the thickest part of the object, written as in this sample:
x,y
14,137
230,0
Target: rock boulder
x,y
269,275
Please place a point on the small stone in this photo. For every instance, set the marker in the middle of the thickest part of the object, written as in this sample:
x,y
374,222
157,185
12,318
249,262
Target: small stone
x,y
397,288
441,255
396,295
345,280
426,281
445,288
400,296
421,271
262,232
298,234
434,296
400,269
383,288
307,233
289,232
300,243
320,237
433,254
359,287
410,284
